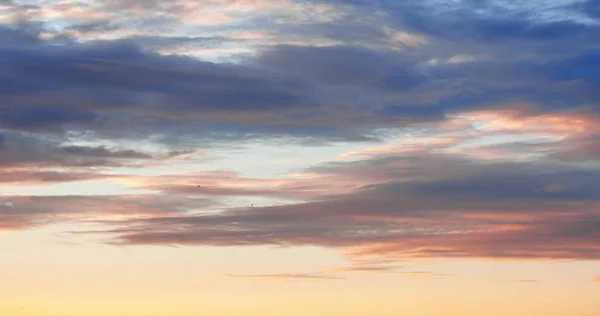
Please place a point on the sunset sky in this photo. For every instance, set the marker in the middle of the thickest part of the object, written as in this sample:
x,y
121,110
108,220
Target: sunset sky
x,y
300,157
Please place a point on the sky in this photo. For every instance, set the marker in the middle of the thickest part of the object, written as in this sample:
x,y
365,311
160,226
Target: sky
x,y
299,157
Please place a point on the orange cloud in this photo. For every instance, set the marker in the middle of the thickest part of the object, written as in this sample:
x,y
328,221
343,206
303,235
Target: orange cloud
x,y
425,275
365,269
284,277
231,184
517,121
526,281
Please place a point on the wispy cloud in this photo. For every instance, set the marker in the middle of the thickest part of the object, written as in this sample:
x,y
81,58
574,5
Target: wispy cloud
x,y
284,277
425,275
365,269
526,281
481,209
22,212
337,273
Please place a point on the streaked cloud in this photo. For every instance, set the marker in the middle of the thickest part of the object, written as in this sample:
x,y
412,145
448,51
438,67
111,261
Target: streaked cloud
x,y
284,277
526,281
365,269
483,209
24,212
335,274
425,275
21,176
20,151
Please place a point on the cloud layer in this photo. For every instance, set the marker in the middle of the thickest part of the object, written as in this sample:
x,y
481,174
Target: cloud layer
x,y
479,121
421,205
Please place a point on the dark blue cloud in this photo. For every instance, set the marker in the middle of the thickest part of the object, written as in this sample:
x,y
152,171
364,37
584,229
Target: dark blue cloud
x,y
451,180
344,65
573,185
45,118
476,20
491,29
358,85
44,84
585,67
19,150
591,8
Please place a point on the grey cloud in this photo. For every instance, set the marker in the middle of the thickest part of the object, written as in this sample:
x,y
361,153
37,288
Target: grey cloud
x,y
514,213
24,212
346,66
26,176
335,93
17,150
101,81
579,150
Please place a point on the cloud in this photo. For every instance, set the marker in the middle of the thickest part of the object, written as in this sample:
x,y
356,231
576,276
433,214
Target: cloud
x,y
44,177
365,269
330,274
481,20
389,269
281,90
590,8
20,151
580,150
526,281
505,98
346,65
306,186
89,92
284,277
425,275
344,90
24,212
423,205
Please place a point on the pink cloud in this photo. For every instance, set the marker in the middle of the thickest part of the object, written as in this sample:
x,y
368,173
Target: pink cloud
x,y
417,205
26,176
512,120
23,212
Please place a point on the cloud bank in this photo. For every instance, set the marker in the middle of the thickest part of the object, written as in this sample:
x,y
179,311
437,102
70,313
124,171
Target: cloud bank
x,y
479,122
